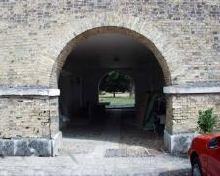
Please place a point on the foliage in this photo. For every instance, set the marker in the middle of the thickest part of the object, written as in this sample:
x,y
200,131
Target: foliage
x,y
206,121
115,82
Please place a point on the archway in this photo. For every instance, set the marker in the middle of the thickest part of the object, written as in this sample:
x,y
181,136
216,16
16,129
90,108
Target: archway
x,y
137,36
98,51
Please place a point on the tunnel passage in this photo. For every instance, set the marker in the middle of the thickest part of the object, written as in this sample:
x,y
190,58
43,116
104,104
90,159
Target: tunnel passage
x,y
103,53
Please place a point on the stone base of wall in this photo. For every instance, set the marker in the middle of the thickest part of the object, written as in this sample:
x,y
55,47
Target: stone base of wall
x,y
178,144
31,146
57,143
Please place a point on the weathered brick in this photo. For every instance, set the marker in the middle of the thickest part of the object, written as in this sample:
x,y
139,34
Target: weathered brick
x,y
37,36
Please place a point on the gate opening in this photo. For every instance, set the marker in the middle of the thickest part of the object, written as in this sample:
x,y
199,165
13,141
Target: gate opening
x,y
85,93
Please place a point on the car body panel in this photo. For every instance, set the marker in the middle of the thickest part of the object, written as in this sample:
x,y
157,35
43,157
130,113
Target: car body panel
x,y
214,159
209,157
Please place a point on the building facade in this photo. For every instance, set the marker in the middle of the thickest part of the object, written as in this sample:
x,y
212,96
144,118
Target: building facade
x,y
36,37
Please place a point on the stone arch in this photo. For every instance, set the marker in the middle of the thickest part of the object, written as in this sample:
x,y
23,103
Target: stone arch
x,y
156,47
164,49
136,35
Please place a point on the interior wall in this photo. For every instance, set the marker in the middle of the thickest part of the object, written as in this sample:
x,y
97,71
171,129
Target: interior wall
x,y
81,89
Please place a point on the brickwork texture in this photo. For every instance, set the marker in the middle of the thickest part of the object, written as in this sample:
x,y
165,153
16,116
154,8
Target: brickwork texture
x,y
37,36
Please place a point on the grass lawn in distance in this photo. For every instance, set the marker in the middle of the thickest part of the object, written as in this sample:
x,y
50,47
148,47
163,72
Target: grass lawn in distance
x,y
121,100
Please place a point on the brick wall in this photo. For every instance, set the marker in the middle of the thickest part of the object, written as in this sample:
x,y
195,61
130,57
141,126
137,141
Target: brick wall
x,y
36,37
185,110
33,33
24,117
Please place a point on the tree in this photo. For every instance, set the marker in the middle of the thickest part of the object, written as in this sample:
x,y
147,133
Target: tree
x,y
115,82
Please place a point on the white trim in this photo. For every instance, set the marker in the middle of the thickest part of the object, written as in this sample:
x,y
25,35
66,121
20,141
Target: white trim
x,y
191,89
29,92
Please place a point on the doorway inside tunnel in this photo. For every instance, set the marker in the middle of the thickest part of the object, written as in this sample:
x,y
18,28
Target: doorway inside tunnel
x,y
85,109
117,90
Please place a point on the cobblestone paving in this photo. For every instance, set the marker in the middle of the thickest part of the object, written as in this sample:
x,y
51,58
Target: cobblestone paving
x,y
134,152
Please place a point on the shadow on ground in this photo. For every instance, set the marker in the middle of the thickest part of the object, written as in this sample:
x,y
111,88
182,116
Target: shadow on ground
x,y
180,172
129,134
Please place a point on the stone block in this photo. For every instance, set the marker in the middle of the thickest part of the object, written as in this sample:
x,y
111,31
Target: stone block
x,y
26,147
178,144
40,147
6,147
57,143
21,148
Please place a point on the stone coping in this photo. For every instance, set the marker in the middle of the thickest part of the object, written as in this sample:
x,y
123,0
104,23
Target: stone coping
x,y
26,91
175,89
191,89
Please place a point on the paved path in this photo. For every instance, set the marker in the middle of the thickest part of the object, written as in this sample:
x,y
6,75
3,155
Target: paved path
x,y
102,150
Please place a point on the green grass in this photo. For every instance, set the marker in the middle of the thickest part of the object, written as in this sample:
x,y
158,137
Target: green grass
x,y
119,100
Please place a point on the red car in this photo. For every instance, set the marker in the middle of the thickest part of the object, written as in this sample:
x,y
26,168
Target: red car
x,y
204,155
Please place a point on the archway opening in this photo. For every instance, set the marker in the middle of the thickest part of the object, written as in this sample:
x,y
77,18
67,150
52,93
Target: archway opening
x,y
79,82
117,90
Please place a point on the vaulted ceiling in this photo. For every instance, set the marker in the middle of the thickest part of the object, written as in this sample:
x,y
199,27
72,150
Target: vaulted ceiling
x,y
110,50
